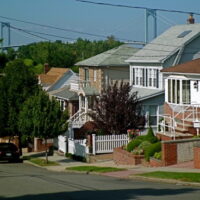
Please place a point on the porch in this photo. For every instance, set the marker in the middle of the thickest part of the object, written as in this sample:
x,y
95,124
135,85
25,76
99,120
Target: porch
x,y
180,121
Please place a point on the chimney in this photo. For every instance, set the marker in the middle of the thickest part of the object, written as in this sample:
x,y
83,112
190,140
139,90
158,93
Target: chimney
x,y
190,19
46,68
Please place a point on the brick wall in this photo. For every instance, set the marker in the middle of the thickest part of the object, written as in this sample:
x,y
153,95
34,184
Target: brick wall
x,y
197,157
122,157
39,145
99,77
156,163
177,151
169,153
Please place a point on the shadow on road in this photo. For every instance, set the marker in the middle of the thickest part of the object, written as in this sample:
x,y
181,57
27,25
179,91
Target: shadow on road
x,y
142,193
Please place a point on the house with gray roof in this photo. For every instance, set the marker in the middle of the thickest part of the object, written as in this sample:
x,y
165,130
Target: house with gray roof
x,y
96,73
176,45
67,98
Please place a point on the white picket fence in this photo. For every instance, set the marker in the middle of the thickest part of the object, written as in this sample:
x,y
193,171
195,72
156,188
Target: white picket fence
x,y
100,144
106,143
62,143
78,147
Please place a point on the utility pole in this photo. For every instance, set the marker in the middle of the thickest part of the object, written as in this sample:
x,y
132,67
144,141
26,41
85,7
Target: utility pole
x,y
5,25
152,13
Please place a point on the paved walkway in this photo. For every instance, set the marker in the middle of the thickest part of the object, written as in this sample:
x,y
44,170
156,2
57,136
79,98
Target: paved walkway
x,y
129,170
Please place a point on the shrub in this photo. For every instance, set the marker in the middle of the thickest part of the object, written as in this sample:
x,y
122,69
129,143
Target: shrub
x,y
150,136
141,137
144,145
133,144
151,150
158,155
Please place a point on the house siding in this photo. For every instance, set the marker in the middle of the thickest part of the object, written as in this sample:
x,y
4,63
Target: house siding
x,y
191,51
105,75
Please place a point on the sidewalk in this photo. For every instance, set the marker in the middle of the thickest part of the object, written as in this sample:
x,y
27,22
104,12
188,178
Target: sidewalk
x,y
130,170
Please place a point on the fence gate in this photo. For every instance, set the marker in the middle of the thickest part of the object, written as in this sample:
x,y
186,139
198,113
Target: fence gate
x,y
106,143
62,143
78,147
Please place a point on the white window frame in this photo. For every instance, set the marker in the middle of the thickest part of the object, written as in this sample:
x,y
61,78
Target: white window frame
x,y
174,99
140,81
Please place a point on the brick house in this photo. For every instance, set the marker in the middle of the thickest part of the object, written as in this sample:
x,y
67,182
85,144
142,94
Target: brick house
x,y
177,45
181,118
96,73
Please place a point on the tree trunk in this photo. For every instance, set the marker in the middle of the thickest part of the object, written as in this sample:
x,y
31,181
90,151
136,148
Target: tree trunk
x,y
46,152
20,144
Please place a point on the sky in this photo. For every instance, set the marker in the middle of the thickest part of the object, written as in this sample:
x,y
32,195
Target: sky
x,y
124,23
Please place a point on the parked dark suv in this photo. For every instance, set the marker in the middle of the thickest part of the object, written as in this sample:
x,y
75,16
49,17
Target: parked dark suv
x,y
9,152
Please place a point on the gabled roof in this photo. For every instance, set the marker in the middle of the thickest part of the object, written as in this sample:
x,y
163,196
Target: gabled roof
x,y
191,67
52,75
166,44
64,93
113,57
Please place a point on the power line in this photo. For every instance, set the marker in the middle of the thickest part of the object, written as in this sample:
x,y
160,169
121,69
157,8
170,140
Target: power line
x,y
27,32
47,34
61,29
136,7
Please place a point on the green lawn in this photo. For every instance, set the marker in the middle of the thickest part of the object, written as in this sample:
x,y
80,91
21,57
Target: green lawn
x,y
182,176
94,169
41,162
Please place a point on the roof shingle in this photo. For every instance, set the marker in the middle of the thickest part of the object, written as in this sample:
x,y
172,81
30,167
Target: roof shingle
x,y
191,67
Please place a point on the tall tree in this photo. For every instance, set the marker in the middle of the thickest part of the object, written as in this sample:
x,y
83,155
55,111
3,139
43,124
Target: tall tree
x,y
41,117
117,110
16,86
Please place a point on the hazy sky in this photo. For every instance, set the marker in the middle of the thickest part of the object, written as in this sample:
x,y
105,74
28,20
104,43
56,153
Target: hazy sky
x,y
69,14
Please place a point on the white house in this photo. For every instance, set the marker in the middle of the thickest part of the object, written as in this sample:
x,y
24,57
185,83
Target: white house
x,y
176,45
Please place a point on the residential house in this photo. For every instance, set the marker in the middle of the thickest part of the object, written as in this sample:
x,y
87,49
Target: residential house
x,y
181,116
50,76
95,74
57,82
176,45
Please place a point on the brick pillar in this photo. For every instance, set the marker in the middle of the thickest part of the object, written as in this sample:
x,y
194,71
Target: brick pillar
x,y
197,157
169,153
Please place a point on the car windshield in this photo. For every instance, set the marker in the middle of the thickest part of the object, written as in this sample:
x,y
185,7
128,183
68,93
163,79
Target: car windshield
x,y
8,146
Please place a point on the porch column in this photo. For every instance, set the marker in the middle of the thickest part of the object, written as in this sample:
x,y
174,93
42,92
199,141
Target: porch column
x,y
80,102
181,92
86,103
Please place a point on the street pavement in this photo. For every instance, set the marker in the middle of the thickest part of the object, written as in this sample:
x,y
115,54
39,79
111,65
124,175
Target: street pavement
x,y
22,181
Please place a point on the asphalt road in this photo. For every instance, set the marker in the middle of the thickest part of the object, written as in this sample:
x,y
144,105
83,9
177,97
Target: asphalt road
x,y
26,182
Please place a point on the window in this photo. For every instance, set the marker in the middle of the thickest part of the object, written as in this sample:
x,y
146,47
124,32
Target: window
x,y
150,111
146,77
183,34
178,91
86,74
186,91
95,75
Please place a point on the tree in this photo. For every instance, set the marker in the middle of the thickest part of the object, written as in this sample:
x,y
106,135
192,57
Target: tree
x,y
117,110
16,86
41,117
